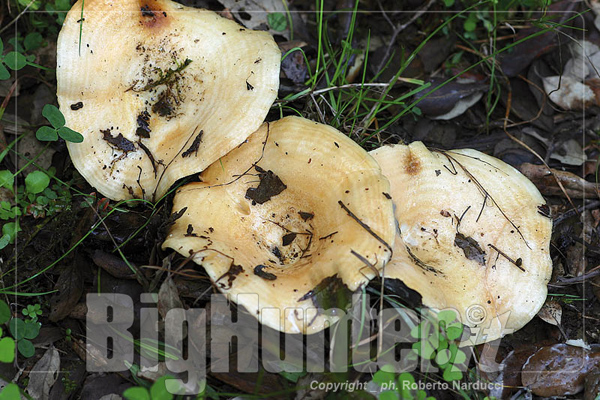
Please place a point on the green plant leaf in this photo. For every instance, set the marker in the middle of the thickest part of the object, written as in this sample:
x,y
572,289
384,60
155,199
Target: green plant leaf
x,y
53,115
383,377
292,376
388,395
4,74
136,393
443,343
38,23
15,42
425,349
11,229
1,47
36,182
15,60
49,193
447,316
443,357
33,6
460,357
7,179
10,392
33,41
42,201
26,348
4,241
470,25
46,134
406,377
32,330
5,313
158,391
63,5
7,350
451,373
70,135
405,381
277,21
454,332
419,331
17,328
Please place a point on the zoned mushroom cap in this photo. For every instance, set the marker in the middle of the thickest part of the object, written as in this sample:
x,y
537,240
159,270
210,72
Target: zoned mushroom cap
x,y
292,217
159,91
474,236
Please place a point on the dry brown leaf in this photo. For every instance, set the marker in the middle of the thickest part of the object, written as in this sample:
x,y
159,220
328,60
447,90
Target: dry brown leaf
x,y
596,216
509,377
43,375
570,153
568,92
576,261
84,351
450,100
590,167
575,186
592,386
559,370
69,288
168,297
551,312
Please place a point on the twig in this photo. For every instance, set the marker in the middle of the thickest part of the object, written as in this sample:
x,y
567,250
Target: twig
x,y
365,226
569,213
579,279
321,116
399,29
14,21
332,88
389,21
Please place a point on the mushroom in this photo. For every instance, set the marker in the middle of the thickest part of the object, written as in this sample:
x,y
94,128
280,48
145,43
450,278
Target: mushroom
x,y
474,236
299,215
159,91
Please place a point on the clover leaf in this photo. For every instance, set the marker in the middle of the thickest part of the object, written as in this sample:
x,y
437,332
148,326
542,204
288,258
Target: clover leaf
x,y
58,128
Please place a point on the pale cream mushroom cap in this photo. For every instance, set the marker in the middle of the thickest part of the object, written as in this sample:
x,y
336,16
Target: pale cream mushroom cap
x,y
132,60
278,218
474,236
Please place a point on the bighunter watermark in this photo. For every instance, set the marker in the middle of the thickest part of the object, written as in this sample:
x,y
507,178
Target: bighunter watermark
x,y
189,341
